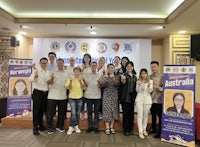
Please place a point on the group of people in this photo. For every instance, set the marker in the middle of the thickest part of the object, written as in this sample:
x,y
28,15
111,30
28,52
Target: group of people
x,y
99,86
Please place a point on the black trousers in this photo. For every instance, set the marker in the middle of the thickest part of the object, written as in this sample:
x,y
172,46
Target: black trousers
x,y
128,116
51,111
156,110
39,106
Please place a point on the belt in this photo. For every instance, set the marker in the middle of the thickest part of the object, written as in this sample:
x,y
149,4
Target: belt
x,y
40,91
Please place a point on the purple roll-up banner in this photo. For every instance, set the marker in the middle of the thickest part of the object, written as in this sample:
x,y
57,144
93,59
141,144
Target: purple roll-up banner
x,y
178,116
19,91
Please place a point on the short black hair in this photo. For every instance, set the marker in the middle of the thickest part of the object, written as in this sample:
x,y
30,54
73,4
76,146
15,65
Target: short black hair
x,y
52,53
60,59
93,62
43,58
155,62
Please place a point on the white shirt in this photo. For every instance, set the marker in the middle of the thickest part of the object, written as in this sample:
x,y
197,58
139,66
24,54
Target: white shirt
x,y
93,90
40,82
70,71
51,67
103,69
57,90
143,93
85,70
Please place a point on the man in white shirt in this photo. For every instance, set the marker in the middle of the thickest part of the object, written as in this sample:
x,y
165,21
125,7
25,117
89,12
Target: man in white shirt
x,y
57,97
52,64
93,98
70,67
39,77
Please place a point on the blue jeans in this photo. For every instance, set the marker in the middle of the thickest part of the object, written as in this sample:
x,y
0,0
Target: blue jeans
x,y
75,111
90,103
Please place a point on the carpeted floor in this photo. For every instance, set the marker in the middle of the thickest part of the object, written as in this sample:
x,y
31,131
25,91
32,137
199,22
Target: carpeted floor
x,y
10,137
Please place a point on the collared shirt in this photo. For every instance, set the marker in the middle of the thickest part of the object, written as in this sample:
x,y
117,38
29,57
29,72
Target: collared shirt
x,y
76,92
57,90
102,70
92,91
40,82
70,71
157,93
51,67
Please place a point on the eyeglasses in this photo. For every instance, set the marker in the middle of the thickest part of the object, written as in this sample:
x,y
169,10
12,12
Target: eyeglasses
x,y
43,62
178,100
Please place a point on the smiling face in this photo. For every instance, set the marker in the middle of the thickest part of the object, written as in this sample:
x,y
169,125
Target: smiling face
x,y
20,87
93,67
154,68
51,58
101,61
143,75
178,101
43,64
60,65
129,68
86,59
111,69
116,60
72,62
124,61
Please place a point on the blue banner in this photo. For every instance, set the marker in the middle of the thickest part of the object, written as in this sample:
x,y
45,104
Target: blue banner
x,y
19,91
178,116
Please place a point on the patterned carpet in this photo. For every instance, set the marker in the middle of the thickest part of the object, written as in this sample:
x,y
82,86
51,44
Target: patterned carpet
x,y
10,137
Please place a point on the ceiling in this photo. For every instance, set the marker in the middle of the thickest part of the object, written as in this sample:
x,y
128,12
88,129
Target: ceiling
x,y
109,18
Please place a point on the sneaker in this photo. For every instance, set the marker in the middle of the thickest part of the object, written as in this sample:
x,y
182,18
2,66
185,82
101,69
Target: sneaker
x,y
60,129
107,131
77,130
50,131
141,136
112,131
70,130
145,133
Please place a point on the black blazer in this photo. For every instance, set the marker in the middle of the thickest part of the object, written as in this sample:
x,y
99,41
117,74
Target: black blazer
x,y
124,94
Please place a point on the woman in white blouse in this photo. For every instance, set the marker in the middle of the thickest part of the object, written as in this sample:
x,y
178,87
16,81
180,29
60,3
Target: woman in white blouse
x,y
143,101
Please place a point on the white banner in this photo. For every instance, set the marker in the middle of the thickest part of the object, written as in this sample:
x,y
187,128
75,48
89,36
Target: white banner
x,y
137,50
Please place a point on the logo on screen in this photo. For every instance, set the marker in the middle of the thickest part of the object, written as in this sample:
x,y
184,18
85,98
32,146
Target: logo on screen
x,y
115,47
70,47
55,46
127,47
85,47
101,47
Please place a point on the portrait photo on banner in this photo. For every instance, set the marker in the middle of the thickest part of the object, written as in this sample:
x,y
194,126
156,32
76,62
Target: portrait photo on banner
x,y
178,103
19,87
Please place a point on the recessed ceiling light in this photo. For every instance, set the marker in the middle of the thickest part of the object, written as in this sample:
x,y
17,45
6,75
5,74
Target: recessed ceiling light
x,y
93,32
24,27
24,33
182,32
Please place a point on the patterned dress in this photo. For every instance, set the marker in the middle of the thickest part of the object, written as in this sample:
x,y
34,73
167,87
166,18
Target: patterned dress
x,y
110,99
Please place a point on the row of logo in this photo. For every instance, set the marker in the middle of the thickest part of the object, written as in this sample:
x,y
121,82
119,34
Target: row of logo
x,y
179,69
101,47
20,62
